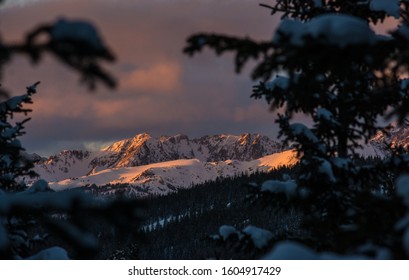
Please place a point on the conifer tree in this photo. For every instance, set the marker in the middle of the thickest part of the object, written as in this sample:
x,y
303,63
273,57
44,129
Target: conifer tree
x,y
14,164
36,222
326,61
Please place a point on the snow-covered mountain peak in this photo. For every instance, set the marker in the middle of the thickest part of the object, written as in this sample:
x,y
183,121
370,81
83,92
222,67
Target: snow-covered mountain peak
x,y
139,138
123,145
143,149
393,136
66,164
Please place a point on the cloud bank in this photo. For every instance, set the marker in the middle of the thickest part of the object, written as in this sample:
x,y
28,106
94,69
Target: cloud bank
x,y
161,91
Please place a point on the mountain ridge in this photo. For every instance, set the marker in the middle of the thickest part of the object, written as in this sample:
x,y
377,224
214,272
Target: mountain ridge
x,y
158,165
143,149
391,137
164,177
394,136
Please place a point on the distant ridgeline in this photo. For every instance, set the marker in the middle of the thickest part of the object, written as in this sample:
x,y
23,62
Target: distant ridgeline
x,y
151,165
158,165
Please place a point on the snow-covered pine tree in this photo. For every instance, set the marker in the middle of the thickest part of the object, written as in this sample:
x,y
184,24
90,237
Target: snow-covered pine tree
x,y
36,222
75,43
326,61
14,163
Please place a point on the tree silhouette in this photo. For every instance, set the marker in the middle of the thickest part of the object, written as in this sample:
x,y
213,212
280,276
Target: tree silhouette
x,y
326,62
36,222
14,163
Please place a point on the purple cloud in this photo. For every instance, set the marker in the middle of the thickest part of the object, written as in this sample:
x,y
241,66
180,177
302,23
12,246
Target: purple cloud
x,y
161,91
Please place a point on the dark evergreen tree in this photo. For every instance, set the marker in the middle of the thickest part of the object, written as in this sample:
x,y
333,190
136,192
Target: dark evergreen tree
x,y
35,222
14,164
325,61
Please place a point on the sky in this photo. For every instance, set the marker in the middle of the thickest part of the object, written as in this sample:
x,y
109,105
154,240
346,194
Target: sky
x,y
161,91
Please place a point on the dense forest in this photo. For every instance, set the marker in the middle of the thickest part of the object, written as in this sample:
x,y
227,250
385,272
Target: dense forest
x,y
185,224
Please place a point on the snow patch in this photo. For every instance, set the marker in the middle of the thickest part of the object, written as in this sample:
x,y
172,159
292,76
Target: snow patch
x,y
327,116
391,7
260,237
301,130
332,29
226,231
53,253
288,188
290,250
280,82
39,186
77,31
165,177
16,101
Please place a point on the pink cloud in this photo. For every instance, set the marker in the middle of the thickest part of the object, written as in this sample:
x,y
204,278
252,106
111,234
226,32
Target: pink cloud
x,y
164,77
161,91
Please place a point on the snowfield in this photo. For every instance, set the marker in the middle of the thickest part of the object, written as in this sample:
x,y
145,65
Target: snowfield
x,y
163,177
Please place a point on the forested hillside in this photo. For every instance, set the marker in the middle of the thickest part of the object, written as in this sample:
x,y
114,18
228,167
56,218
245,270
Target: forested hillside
x,y
181,225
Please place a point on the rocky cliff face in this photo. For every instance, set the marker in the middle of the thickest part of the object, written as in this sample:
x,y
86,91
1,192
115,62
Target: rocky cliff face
x,y
66,164
394,136
144,149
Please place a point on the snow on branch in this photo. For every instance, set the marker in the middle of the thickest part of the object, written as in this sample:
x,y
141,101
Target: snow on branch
x,y
279,82
257,237
78,32
260,237
332,29
291,250
302,131
64,213
390,7
13,164
75,43
53,253
288,188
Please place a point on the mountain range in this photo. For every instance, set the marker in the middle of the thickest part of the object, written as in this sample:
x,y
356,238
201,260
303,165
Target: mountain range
x,y
160,165
393,136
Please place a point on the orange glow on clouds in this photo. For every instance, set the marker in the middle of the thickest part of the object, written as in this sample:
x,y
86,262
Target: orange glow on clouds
x,y
164,77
